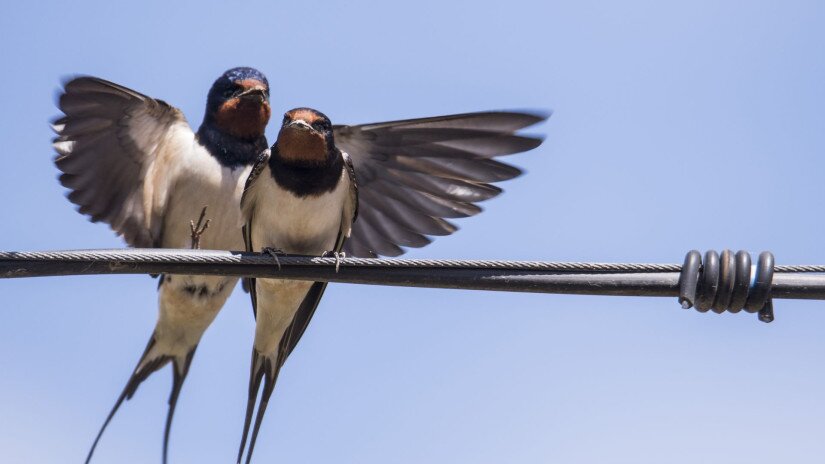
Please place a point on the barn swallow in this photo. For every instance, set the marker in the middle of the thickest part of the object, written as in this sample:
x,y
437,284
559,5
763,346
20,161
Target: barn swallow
x,y
400,179
134,162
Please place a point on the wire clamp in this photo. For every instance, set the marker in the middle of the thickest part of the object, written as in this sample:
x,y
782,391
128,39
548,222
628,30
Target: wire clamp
x,y
727,282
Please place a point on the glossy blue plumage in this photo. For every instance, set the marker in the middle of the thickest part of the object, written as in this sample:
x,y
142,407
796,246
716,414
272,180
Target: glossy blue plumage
x,y
231,151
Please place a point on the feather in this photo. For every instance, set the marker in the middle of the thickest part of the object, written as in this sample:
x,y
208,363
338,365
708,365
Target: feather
x,y
414,173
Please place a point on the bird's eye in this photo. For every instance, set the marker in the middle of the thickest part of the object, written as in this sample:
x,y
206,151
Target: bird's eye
x,y
228,92
321,125
285,121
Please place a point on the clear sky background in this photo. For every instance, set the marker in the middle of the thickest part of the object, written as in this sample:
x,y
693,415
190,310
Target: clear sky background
x,y
676,126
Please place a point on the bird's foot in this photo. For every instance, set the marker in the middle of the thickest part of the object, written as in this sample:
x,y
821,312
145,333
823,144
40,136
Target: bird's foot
x,y
274,252
198,229
338,255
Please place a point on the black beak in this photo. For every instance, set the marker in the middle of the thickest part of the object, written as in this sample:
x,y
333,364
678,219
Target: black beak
x,y
299,124
254,94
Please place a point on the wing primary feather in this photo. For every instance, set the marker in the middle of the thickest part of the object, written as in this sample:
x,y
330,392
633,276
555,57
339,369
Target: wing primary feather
x,y
364,230
390,227
488,120
450,189
423,202
106,140
490,147
408,217
413,174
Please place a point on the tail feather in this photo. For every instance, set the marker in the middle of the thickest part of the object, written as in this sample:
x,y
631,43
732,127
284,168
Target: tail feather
x,y
266,369
179,374
256,374
269,387
142,371
138,376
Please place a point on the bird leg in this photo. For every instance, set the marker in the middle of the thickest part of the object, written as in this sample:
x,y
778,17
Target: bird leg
x,y
339,255
274,252
198,229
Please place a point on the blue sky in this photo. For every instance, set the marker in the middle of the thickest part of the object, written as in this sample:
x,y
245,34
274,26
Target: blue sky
x,y
676,126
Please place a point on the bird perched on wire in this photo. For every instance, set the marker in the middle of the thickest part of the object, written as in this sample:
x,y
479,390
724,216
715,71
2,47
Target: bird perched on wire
x,y
400,179
134,162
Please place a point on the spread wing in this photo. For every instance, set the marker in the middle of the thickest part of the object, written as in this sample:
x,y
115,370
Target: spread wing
x,y
119,152
414,174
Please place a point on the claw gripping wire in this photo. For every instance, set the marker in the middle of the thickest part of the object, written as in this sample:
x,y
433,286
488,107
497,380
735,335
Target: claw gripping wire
x,y
727,282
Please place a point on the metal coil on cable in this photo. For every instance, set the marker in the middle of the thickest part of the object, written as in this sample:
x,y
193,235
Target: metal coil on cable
x,y
727,282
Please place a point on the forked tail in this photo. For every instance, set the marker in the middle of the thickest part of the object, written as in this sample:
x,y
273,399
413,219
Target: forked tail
x,y
146,367
264,368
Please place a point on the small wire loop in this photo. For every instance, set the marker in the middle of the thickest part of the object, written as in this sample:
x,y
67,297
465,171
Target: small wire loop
x,y
689,278
708,283
761,289
727,269
742,281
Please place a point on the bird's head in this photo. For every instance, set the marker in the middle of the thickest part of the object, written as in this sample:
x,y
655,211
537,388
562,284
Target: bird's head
x,y
238,103
305,138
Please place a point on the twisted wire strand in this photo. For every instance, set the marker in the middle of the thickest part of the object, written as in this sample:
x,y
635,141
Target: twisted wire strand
x,y
161,256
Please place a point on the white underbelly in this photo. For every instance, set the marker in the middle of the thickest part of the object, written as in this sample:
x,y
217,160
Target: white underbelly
x,y
300,225
220,191
278,300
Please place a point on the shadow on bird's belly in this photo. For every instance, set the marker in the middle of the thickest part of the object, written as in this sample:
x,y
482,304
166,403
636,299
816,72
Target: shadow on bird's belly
x,y
198,287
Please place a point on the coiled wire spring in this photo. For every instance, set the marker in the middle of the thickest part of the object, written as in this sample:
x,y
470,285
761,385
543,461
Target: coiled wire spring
x,y
727,282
